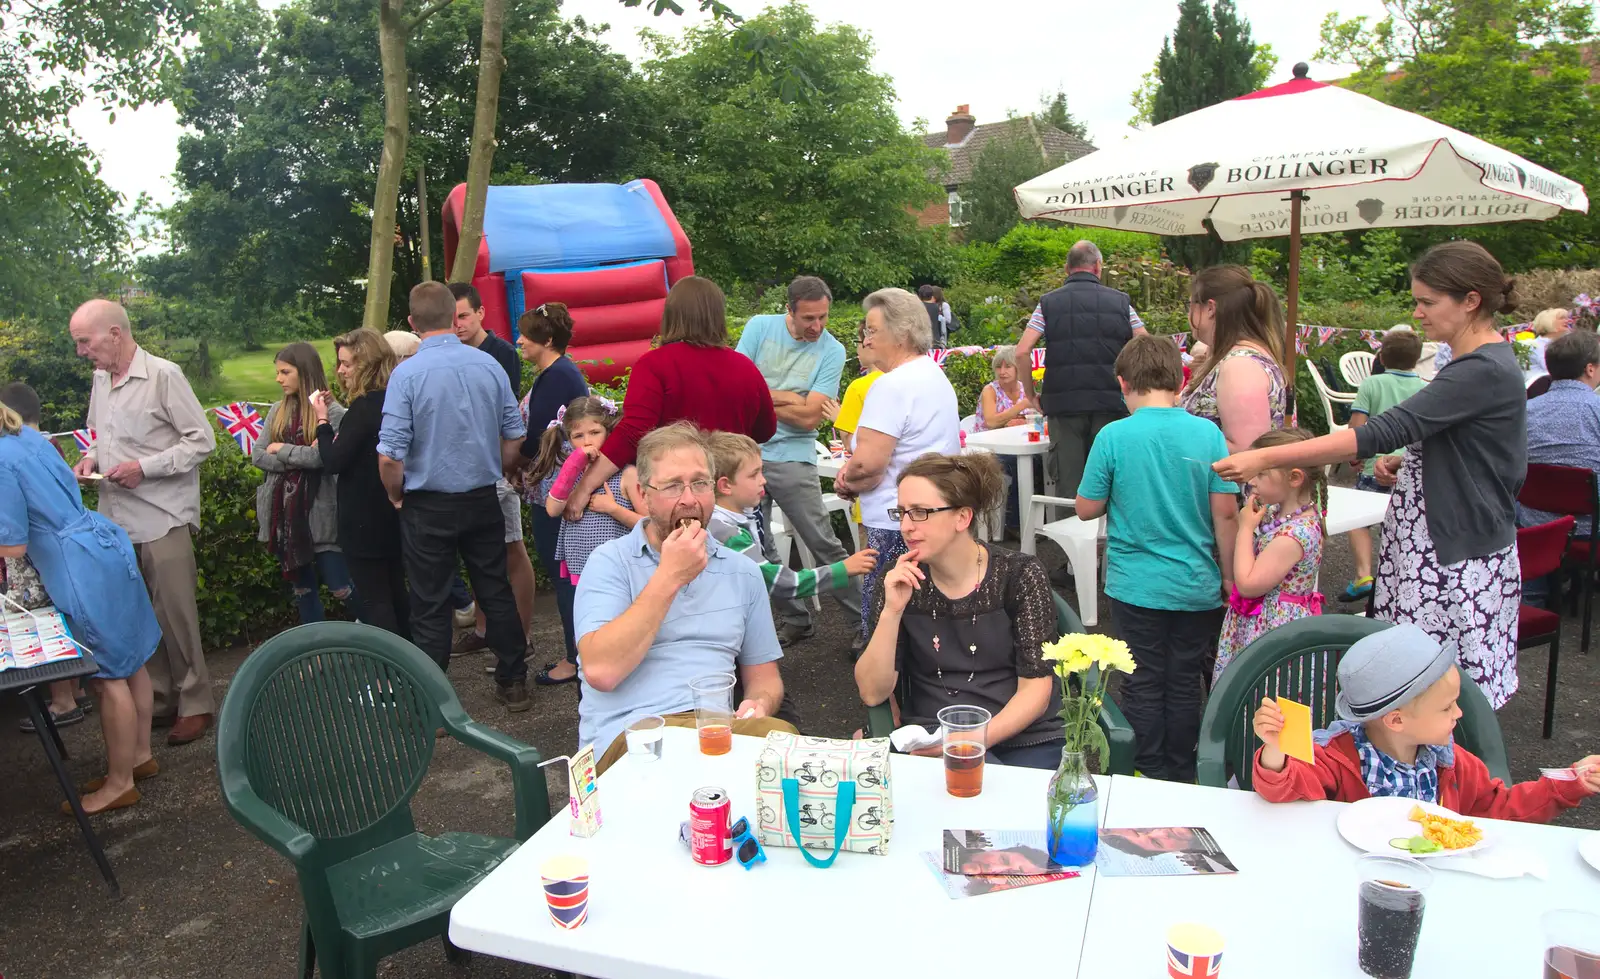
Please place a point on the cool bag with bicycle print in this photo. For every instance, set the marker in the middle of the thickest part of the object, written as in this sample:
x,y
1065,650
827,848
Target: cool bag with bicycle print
x,y
824,794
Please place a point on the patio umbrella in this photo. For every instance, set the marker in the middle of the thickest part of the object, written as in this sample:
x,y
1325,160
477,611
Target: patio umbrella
x,y
1302,155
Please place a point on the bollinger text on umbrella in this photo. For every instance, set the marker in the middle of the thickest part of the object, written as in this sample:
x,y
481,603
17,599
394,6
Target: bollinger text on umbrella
x,y
1201,175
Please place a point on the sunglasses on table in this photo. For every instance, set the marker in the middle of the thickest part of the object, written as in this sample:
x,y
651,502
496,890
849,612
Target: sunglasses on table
x,y
746,848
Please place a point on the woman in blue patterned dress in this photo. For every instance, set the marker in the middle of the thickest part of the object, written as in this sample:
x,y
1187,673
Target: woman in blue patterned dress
x,y
88,567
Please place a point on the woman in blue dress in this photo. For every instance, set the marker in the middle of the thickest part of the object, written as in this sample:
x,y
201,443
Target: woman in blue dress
x,y
88,567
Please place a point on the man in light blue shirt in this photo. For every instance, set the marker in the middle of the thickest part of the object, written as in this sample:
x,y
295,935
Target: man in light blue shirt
x,y
1564,422
665,604
451,427
802,363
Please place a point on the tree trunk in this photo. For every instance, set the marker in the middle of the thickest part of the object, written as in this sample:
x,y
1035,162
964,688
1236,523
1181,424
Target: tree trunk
x,y
481,160
396,128
422,221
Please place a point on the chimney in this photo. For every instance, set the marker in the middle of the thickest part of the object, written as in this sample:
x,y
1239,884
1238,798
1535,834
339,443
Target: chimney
x,y
959,126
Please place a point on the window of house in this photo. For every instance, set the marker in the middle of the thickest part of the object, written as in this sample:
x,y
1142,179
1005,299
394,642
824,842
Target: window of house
x,y
958,210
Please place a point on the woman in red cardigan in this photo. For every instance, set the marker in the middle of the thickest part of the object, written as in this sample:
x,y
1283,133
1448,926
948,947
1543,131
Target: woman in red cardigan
x,y
691,375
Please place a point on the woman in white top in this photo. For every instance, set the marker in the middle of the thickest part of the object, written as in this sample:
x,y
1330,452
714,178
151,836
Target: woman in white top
x,y
909,412
1547,326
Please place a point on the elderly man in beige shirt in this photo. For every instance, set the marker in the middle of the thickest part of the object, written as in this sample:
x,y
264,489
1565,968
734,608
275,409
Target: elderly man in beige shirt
x,y
150,437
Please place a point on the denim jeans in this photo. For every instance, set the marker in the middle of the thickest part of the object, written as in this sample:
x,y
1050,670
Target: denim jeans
x,y
328,569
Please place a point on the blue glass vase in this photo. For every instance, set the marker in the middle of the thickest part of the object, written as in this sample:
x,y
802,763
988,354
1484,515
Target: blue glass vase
x,y
1073,813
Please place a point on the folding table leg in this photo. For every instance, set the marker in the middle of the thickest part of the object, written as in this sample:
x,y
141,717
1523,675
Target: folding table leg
x,y
1550,686
41,724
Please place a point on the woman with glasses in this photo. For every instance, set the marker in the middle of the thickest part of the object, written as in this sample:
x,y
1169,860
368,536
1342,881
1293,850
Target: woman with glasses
x,y
960,622
1240,385
910,411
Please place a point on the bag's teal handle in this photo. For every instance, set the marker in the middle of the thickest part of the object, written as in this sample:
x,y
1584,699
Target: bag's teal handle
x,y
845,801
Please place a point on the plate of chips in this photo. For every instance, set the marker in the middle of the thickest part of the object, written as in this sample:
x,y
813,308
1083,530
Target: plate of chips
x,y
1394,826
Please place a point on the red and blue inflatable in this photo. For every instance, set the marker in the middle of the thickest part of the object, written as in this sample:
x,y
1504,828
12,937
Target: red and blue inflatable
x,y
609,252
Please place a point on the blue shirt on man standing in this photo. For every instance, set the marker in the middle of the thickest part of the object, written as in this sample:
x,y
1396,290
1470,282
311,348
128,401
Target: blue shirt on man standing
x,y
447,409
1563,430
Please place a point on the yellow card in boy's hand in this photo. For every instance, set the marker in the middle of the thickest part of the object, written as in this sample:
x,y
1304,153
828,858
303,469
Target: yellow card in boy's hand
x,y
1295,741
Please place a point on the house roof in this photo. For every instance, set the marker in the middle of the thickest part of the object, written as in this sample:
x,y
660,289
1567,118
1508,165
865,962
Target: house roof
x,y
1056,145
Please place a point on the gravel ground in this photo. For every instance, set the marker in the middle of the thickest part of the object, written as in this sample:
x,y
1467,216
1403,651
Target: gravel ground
x,y
203,898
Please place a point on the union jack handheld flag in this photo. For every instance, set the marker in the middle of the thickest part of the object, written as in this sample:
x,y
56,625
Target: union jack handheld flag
x,y
939,354
84,437
1036,355
242,422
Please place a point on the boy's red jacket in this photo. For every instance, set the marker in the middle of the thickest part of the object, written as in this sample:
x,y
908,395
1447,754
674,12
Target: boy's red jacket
x,y
1464,787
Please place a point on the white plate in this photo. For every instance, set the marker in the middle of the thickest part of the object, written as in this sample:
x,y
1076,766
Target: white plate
x,y
1589,848
1371,823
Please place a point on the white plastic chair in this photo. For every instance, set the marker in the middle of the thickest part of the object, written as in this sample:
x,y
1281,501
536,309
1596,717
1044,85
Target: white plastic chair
x,y
833,504
969,424
1329,397
1080,541
1356,366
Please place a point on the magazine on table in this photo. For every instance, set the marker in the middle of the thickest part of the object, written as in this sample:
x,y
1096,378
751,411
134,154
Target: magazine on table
x,y
960,886
1160,851
30,638
998,853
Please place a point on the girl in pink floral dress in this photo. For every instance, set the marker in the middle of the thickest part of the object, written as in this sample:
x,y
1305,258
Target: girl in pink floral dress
x,y
1277,554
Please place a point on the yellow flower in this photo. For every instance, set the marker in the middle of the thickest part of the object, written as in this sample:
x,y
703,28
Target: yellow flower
x,y
1110,654
1038,375
1069,654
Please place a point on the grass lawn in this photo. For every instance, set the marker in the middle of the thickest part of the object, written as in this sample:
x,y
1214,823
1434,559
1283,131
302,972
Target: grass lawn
x,y
249,376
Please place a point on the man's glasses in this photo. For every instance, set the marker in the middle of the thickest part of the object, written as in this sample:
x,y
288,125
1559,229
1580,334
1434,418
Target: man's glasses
x,y
673,491
746,848
918,514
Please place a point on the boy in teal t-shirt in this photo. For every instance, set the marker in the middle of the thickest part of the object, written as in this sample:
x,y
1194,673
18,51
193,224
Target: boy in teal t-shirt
x,y
1169,517
1377,394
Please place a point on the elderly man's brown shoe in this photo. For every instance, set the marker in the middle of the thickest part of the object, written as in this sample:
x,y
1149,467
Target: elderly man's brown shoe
x,y
190,728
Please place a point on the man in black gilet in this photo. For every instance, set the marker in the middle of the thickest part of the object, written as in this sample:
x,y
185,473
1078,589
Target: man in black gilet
x,y
1084,325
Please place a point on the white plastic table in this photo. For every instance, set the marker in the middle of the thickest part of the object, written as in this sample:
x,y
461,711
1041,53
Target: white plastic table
x,y
1013,441
1291,909
654,913
1352,508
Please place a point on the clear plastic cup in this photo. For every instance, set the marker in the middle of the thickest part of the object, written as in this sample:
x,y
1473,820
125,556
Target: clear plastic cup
x,y
964,732
645,736
713,712
1391,896
1571,944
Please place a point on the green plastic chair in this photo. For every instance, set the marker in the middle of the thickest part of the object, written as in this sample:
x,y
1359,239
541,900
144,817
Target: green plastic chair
x,y
325,735
1119,735
1300,661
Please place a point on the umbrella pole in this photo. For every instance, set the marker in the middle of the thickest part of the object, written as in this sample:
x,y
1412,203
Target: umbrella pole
x,y
1296,198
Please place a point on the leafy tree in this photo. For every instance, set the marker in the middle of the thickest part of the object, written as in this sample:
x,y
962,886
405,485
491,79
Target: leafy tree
x,y
1053,112
287,115
57,217
1005,160
1209,58
770,179
1513,72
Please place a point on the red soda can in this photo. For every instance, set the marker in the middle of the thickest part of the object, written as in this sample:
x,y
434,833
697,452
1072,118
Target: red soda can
x,y
709,812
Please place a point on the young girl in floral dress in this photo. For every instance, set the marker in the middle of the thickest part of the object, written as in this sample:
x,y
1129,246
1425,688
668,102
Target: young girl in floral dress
x,y
1278,552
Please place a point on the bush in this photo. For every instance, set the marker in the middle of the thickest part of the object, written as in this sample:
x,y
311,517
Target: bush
x,y
1029,248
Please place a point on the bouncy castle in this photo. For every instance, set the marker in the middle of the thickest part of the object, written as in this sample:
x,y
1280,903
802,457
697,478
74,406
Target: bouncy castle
x,y
609,252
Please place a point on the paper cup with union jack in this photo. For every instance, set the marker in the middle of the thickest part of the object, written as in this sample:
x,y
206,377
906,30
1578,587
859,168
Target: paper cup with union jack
x,y
566,890
1193,951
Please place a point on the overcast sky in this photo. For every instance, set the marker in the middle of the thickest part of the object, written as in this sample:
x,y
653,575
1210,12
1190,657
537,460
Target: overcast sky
x,y
995,55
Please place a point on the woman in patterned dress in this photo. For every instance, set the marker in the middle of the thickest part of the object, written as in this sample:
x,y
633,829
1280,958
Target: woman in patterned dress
x,y
1240,384
1002,402
1449,561
1277,553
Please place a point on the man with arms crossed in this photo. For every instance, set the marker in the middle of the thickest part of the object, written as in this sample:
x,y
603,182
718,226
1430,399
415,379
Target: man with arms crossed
x,y
801,362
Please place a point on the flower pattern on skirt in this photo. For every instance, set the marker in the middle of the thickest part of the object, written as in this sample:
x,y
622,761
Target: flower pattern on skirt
x,y
1470,605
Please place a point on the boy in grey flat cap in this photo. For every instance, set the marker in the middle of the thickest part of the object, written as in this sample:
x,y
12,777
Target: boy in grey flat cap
x,y
1397,704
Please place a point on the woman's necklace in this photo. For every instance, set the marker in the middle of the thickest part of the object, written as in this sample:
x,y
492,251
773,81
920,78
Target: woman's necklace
x,y
972,647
